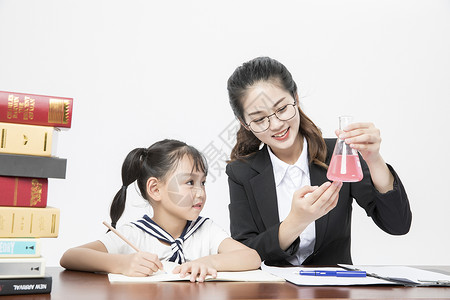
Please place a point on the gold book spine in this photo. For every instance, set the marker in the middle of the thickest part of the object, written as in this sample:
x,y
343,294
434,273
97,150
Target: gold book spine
x,y
31,222
26,139
59,111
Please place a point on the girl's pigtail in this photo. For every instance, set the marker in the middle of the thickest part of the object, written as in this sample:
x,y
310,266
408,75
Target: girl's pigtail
x,y
131,170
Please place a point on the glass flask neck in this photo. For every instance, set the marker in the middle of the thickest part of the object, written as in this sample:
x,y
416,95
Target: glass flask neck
x,y
344,121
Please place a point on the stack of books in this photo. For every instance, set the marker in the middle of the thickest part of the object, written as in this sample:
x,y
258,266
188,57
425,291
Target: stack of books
x,y
29,125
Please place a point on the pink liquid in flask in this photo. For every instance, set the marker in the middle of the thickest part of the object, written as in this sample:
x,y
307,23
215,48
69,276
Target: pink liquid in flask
x,y
349,172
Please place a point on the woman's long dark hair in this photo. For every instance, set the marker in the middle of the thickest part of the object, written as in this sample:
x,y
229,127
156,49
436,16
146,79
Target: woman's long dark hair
x,y
156,161
266,69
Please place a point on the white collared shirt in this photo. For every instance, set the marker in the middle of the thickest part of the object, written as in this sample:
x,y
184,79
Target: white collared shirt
x,y
288,179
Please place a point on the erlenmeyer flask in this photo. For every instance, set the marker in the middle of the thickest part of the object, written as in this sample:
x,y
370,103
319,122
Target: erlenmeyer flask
x,y
345,165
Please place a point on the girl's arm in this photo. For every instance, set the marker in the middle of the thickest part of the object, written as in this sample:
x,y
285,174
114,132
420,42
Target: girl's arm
x,y
94,257
232,256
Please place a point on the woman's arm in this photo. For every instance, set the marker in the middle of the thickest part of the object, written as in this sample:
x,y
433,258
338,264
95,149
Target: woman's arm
x,y
278,242
94,257
246,226
388,203
391,210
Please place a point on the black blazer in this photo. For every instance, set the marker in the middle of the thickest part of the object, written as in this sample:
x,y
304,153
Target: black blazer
x,y
254,217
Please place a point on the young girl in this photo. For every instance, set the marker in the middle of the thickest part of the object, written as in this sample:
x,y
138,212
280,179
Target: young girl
x,y
171,176
282,204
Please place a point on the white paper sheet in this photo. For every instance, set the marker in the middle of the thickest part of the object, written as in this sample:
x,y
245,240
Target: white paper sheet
x,y
413,274
291,274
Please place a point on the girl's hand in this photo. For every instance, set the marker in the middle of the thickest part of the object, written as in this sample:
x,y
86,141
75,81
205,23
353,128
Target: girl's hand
x,y
197,271
363,137
311,202
140,264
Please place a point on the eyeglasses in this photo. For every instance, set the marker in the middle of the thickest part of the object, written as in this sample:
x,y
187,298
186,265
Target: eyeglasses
x,y
284,113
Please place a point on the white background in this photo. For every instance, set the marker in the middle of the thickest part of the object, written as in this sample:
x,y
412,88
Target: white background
x,y
141,71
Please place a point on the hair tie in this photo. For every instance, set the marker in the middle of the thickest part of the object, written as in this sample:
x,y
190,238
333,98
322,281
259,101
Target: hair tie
x,y
124,188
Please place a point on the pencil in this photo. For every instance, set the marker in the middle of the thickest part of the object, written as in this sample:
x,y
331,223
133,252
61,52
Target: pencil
x,y
121,236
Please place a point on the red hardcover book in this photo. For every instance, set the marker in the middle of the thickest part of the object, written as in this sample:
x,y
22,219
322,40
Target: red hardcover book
x,y
23,191
35,109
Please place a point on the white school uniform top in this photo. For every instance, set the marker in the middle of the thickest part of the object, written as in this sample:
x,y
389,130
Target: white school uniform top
x,y
203,242
288,179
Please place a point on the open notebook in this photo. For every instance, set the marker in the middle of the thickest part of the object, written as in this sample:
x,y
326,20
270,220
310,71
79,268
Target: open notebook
x,y
166,275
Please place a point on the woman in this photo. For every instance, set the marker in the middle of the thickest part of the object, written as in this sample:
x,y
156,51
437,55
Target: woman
x,y
281,203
